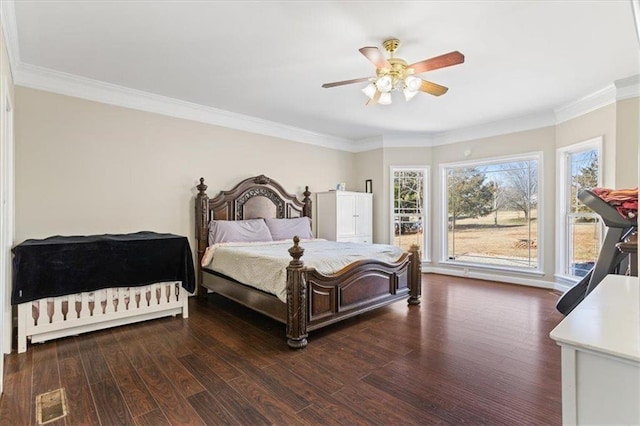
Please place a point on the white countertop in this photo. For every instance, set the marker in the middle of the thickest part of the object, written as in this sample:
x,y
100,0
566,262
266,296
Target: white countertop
x,y
607,320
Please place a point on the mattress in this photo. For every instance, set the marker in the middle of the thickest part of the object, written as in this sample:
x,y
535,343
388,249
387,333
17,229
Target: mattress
x,y
262,265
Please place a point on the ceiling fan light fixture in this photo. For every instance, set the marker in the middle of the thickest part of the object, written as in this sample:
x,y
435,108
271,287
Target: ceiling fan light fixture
x,y
370,90
396,75
412,83
384,84
385,98
409,94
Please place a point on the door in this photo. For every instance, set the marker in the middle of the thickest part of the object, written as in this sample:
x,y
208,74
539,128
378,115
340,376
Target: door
x,y
346,206
363,209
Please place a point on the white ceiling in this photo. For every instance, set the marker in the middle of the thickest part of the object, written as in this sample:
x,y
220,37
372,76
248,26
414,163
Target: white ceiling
x,y
268,59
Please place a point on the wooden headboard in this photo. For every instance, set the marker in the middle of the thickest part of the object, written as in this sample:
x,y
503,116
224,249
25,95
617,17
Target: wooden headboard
x,y
255,197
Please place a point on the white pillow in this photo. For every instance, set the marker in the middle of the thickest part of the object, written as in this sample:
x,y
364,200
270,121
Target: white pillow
x,y
286,229
238,231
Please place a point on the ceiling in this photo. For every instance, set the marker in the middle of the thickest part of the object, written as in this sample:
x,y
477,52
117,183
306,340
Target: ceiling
x,y
268,59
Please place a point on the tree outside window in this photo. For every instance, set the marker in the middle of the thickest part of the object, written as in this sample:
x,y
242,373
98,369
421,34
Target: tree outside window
x,y
492,213
408,214
583,225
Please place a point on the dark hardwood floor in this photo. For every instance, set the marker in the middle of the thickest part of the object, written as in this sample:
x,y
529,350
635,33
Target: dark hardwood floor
x,y
474,352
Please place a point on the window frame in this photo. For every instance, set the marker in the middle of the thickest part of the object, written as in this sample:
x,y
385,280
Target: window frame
x,y
444,213
426,219
563,201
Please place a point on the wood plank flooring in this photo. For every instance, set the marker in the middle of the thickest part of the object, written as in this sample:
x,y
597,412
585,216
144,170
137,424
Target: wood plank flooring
x,y
474,352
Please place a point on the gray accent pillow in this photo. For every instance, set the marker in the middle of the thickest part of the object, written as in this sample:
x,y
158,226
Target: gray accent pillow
x,y
238,231
286,229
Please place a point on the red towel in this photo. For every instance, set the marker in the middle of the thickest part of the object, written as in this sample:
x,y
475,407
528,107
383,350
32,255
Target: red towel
x,y
625,201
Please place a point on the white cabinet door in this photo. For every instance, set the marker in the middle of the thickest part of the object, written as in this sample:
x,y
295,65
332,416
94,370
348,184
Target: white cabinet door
x,y
347,224
345,216
363,209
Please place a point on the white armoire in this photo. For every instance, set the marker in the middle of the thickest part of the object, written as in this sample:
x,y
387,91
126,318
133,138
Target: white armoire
x,y
345,216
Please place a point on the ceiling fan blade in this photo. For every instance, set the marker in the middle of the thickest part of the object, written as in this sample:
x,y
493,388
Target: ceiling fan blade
x,y
374,101
446,60
433,88
375,56
342,83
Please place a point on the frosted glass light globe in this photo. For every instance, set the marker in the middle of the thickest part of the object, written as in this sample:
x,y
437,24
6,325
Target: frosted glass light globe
x,y
385,98
370,90
384,84
412,83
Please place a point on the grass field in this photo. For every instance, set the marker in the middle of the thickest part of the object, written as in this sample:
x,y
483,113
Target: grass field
x,y
512,242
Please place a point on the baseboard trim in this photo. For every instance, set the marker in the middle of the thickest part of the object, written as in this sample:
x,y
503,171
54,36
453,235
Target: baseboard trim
x,y
509,279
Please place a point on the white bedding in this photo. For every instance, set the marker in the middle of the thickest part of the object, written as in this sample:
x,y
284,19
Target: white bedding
x,y
263,265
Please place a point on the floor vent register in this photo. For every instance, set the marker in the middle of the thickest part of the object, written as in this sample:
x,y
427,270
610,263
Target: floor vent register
x,y
51,406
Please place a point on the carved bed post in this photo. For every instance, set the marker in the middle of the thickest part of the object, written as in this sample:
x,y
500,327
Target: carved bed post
x,y
296,298
415,276
202,234
306,210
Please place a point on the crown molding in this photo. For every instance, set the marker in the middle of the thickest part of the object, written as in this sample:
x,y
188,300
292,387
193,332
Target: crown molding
x,y
486,130
627,88
368,144
71,85
94,90
397,140
586,104
624,88
392,140
495,128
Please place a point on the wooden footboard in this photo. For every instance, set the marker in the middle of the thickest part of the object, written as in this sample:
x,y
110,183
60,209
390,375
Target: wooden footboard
x,y
315,300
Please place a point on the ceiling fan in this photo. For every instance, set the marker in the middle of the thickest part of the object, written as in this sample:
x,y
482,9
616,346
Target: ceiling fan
x,y
394,74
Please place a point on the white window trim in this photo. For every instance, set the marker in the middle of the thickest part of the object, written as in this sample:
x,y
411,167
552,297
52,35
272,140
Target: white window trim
x,y
426,225
7,225
563,170
444,213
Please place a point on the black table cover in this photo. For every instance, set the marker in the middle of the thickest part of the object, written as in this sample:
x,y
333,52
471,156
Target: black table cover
x,y
57,266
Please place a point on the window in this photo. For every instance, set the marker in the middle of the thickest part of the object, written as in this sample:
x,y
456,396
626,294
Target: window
x,y
491,213
408,214
579,229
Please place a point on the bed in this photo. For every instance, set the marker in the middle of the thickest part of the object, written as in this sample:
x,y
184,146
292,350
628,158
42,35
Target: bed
x,y
313,299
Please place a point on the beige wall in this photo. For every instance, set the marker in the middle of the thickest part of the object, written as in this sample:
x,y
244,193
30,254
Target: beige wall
x,y
84,167
369,165
627,139
601,122
617,123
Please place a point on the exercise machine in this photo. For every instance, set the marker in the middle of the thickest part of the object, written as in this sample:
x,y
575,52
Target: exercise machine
x,y
610,259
